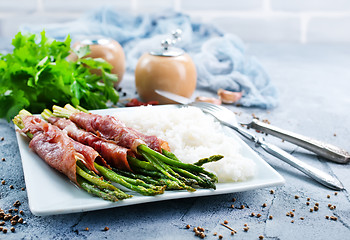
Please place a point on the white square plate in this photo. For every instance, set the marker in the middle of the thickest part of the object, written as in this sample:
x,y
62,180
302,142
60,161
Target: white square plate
x,y
50,192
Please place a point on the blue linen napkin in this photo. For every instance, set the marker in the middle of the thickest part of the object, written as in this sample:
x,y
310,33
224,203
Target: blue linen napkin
x,y
220,58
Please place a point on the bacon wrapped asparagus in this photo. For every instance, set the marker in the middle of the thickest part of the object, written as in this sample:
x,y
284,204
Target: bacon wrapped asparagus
x,y
152,149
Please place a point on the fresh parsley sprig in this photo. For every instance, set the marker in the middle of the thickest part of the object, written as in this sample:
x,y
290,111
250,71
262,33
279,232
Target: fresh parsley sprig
x,y
36,75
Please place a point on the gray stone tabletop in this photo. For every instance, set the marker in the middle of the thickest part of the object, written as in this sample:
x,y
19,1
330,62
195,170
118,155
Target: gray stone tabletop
x,y
314,84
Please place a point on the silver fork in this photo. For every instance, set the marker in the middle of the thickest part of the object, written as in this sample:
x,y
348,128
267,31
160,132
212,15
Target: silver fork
x,y
228,118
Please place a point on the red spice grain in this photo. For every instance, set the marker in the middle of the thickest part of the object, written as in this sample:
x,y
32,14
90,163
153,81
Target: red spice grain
x,y
106,229
226,222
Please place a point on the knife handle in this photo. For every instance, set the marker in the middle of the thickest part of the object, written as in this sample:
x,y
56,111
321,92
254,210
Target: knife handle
x,y
325,150
318,175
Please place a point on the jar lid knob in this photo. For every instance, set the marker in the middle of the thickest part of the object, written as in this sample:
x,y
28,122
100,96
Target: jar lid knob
x,y
168,49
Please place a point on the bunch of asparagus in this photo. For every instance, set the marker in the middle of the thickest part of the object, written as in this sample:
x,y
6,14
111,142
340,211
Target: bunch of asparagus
x,y
152,171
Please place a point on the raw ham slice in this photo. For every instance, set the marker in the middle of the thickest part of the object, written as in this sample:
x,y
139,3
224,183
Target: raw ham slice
x,y
115,155
111,128
57,149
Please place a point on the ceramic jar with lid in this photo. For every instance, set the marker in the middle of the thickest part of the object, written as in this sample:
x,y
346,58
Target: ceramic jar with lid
x,y
169,69
107,49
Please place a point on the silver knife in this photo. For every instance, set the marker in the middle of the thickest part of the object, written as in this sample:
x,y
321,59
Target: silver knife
x,y
316,174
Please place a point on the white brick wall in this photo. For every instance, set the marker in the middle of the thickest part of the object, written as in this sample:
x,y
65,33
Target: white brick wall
x,y
302,21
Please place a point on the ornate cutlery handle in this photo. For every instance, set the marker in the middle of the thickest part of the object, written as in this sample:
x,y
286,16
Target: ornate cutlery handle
x,y
325,150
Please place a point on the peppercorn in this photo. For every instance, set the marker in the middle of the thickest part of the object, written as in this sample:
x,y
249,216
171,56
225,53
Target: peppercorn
x,y
336,193
272,192
232,233
2,139
202,235
328,196
20,220
270,217
252,214
4,230
327,217
232,206
2,223
226,222
311,209
220,236
242,206
307,203
12,229
308,199
21,212
3,182
215,233
188,226
264,205
12,187
86,229
246,229
296,196
258,215
194,229
17,203
106,229
3,159
317,204
301,218
233,199
315,208
261,237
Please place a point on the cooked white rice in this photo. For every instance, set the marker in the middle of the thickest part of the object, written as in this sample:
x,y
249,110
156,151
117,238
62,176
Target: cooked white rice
x,y
192,135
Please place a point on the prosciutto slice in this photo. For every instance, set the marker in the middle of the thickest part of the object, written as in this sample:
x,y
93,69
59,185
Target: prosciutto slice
x,y
115,155
57,149
112,128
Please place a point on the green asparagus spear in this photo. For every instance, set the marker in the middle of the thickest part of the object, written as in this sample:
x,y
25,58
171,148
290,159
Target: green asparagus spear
x,y
95,191
117,179
213,158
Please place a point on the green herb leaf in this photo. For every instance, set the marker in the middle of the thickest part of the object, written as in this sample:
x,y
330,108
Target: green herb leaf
x,y
36,75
